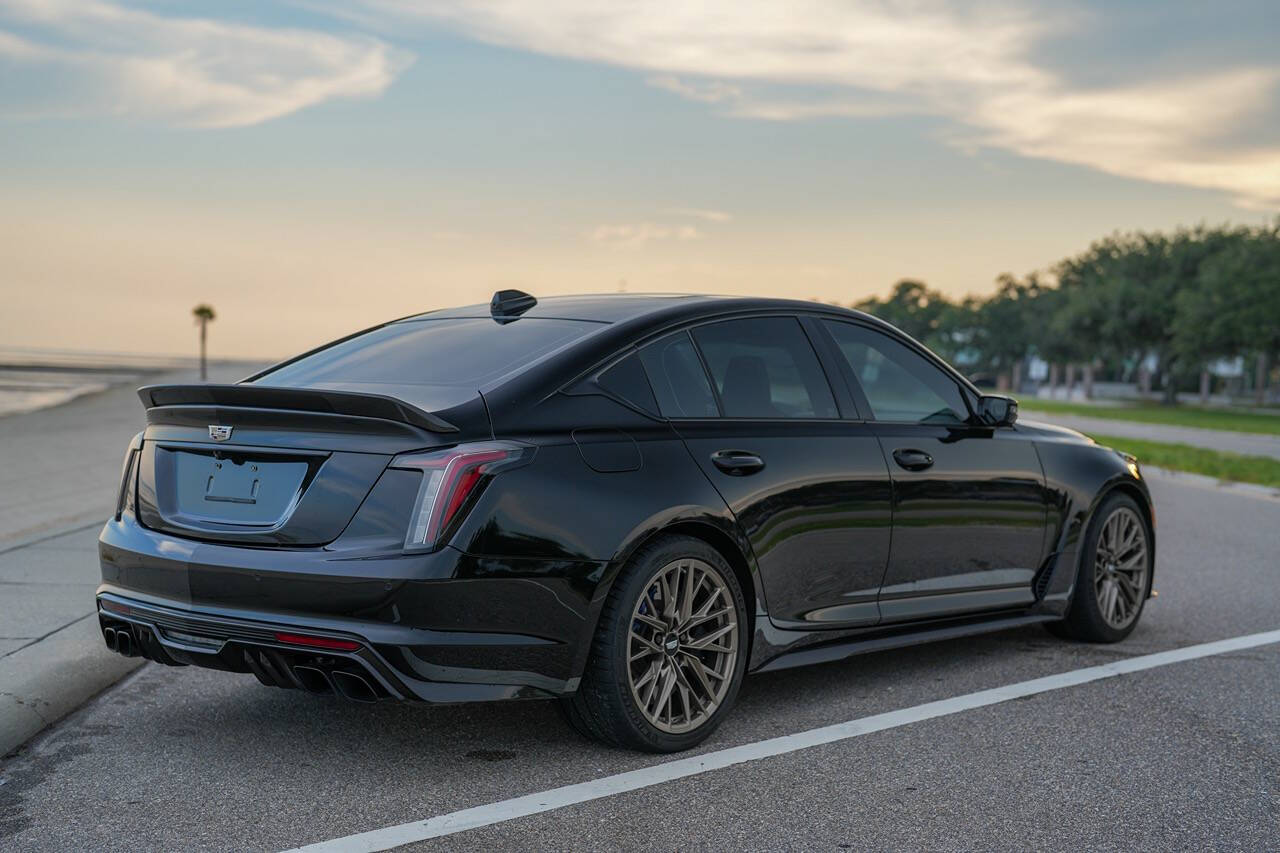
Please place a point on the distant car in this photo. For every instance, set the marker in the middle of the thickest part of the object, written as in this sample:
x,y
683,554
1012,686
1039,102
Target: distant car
x,y
984,381
625,502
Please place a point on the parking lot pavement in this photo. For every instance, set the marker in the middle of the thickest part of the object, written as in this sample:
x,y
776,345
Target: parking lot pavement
x,y
1182,756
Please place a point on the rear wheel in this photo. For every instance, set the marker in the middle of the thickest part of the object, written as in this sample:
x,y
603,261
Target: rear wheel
x,y
1114,577
669,653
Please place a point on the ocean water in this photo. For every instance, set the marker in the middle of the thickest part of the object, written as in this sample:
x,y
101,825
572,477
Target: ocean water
x,y
33,379
25,391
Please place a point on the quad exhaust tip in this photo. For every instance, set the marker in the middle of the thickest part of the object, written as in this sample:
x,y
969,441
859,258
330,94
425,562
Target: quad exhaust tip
x,y
120,641
346,684
313,679
354,687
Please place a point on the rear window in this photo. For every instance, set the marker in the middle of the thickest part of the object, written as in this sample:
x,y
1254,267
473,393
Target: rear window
x,y
463,351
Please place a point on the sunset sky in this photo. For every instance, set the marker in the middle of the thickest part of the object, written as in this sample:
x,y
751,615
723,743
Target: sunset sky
x,y
311,168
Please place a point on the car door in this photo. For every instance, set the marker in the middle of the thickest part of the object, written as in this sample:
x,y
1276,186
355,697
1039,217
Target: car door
x,y
969,504
811,491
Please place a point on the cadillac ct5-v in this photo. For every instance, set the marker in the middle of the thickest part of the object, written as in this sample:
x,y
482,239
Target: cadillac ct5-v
x,y
625,503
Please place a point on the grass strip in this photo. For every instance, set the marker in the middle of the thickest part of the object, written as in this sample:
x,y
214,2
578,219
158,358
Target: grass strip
x,y
1262,470
1154,413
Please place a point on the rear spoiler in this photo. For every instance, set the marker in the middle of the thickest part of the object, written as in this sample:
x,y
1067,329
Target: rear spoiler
x,y
294,399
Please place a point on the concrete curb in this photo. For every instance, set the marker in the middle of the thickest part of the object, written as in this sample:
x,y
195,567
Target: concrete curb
x,y
45,681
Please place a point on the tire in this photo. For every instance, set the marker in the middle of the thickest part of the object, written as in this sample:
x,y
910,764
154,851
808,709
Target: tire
x,y
1102,588
634,661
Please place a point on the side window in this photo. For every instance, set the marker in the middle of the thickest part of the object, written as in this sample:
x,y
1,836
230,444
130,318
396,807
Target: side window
x,y
677,377
901,385
764,367
626,379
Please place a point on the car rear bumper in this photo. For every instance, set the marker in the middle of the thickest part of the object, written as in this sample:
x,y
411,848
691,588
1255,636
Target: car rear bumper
x,y
363,661
443,626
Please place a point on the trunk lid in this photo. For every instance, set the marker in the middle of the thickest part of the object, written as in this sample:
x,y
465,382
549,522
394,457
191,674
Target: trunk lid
x,y
270,467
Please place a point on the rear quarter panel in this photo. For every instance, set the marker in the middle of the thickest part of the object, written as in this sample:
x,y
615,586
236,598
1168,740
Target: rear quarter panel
x,y
555,533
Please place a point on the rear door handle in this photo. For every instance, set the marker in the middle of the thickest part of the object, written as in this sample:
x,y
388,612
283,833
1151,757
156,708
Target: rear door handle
x,y
912,459
737,463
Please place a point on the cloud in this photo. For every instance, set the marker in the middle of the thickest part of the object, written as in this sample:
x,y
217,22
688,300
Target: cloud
x,y
708,93
801,109
637,235
91,57
978,64
699,213
880,46
1164,132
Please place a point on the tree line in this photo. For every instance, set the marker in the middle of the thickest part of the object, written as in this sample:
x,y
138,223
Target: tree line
x,y
1153,308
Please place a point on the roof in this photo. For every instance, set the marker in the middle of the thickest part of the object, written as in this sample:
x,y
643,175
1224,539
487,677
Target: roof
x,y
621,307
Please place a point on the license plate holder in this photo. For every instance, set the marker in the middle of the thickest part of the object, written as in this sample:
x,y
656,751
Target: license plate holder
x,y
232,483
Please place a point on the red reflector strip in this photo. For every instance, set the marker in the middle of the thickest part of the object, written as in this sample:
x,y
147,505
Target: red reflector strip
x,y
318,642
115,608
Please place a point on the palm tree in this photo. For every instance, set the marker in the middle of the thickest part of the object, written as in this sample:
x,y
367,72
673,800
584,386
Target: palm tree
x,y
204,316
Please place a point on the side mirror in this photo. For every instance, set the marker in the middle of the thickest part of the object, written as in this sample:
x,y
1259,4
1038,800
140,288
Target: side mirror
x,y
997,410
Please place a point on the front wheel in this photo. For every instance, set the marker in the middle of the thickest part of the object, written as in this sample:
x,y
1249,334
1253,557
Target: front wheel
x,y
669,653
1114,576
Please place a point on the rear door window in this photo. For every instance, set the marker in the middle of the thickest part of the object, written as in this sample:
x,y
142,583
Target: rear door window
x,y
765,367
678,378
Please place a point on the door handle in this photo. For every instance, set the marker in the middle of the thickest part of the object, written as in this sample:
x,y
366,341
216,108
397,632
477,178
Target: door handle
x,y
911,459
737,463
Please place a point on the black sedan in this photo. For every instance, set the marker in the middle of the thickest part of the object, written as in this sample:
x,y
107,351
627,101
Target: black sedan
x,y
622,502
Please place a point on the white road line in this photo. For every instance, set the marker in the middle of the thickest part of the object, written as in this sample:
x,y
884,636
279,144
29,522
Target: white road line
x,y
556,798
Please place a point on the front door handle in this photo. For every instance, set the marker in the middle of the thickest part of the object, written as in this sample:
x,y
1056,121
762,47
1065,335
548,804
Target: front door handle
x,y
912,459
737,463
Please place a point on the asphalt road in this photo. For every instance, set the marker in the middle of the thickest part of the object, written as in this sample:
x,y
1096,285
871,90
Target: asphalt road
x,y
1184,756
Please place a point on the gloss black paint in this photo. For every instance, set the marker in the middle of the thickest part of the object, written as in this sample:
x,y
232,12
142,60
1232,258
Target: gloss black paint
x,y
838,548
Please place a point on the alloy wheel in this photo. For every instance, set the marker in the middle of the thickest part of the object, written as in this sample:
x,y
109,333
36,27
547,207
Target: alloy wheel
x,y
682,646
1120,567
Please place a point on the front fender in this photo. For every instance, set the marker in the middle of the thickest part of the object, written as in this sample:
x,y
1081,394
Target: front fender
x,y
1080,476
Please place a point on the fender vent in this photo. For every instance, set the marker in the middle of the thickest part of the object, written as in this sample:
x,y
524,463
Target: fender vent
x,y
1041,584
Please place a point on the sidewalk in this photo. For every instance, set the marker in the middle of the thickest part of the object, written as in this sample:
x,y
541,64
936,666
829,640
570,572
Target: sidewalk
x,y
59,472
1249,444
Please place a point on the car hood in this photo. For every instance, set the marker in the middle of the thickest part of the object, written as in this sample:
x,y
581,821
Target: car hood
x,y
1052,431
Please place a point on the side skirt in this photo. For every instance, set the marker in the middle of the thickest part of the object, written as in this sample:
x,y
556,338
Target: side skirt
x,y
840,650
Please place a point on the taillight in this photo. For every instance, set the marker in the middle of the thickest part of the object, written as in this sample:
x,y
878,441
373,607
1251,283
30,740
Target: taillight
x,y
449,478
124,497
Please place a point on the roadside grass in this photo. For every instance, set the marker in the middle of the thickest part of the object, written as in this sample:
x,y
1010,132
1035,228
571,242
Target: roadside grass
x,y
1262,470
1154,413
